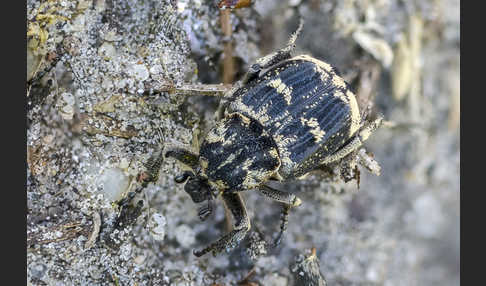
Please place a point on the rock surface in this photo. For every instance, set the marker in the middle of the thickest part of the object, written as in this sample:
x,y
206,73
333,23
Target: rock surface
x,y
94,120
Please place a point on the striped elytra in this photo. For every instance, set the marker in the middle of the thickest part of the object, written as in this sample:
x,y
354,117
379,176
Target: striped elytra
x,y
305,106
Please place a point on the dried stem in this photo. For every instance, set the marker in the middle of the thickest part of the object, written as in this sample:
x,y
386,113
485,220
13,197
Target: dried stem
x,y
228,62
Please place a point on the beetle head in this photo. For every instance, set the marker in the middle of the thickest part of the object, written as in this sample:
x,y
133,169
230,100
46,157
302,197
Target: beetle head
x,y
199,190
196,186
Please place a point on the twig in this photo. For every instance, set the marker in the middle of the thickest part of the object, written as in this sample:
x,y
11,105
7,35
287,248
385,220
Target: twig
x,y
228,63
199,89
246,281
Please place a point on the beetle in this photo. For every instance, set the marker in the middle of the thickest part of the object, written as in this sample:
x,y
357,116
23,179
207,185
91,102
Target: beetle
x,y
288,116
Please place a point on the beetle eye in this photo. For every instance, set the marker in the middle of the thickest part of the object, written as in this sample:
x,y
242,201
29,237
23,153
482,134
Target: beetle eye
x,y
183,177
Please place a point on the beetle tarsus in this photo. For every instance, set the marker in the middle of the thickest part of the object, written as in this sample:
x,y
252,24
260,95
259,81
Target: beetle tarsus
x,y
225,243
283,224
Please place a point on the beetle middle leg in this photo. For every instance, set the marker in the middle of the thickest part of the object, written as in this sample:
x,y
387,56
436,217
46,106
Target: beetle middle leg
x,y
281,197
241,226
288,201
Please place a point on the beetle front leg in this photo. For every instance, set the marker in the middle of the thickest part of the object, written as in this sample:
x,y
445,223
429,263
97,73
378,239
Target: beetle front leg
x,y
288,201
241,226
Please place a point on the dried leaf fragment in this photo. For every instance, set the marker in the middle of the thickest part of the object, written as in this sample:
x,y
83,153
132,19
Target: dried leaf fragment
x,y
103,124
107,105
376,46
57,233
401,70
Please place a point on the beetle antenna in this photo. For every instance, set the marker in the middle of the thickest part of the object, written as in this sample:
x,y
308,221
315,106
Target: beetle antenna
x,y
205,211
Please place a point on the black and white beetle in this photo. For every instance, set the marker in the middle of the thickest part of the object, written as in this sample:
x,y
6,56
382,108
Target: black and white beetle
x,y
287,117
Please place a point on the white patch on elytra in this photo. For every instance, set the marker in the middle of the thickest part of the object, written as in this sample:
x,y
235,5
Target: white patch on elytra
x,y
316,130
282,89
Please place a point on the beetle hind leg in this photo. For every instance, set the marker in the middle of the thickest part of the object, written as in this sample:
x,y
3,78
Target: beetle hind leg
x,y
355,142
241,226
274,58
284,53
